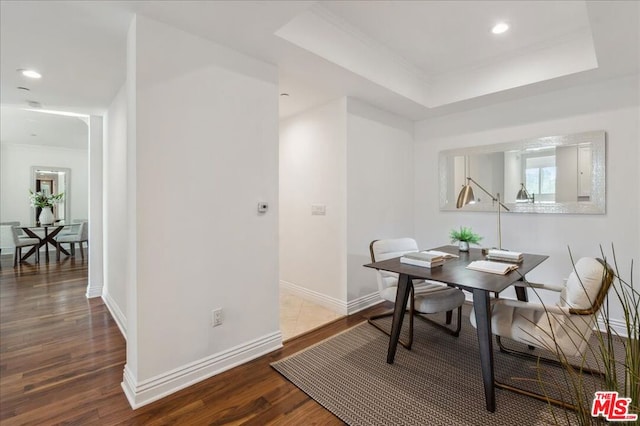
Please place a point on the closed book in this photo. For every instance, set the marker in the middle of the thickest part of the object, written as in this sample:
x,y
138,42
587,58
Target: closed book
x,y
422,263
424,256
504,259
505,254
499,268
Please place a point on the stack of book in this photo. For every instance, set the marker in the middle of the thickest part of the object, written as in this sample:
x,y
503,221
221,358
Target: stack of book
x,y
426,260
504,256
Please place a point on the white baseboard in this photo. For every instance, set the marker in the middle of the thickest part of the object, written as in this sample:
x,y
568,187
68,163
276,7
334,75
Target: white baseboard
x,y
150,390
363,302
618,326
116,314
331,303
94,291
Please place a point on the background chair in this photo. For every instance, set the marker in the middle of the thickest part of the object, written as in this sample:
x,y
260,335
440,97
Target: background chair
x,y
81,235
21,232
72,228
427,297
6,235
20,242
563,328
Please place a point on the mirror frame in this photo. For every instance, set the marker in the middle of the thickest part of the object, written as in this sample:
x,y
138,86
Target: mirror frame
x,y
596,204
67,196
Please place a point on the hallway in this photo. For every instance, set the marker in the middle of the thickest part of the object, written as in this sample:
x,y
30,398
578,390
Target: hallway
x,y
62,358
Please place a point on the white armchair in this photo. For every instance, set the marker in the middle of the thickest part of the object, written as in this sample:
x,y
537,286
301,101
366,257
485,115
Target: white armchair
x,y
427,297
563,328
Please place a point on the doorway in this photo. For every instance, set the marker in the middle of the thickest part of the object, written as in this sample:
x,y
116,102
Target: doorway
x,y
299,315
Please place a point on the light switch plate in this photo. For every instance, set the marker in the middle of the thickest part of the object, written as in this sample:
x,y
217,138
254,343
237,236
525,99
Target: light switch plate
x,y
318,209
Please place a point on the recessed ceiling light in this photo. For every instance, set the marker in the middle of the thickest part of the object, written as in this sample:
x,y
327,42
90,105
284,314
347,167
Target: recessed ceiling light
x,y
284,94
30,73
500,28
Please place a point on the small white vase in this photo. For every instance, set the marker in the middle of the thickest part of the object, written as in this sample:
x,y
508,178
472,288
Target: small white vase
x,y
46,216
463,245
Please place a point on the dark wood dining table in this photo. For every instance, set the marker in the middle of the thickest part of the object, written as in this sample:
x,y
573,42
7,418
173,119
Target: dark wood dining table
x,y
454,272
50,232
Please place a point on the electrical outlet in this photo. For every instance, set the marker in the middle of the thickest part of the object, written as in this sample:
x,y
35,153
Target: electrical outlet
x,y
217,317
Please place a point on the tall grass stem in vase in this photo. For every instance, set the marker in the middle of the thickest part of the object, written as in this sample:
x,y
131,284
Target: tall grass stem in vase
x,y
613,348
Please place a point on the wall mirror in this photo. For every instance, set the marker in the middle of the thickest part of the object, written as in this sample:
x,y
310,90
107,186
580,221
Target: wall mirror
x,y
52,180
561,174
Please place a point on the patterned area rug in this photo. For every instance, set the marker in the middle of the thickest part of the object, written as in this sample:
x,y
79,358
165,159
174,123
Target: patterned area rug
x,y
438,382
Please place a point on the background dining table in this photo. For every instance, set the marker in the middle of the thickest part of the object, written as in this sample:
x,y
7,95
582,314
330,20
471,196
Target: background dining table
x,y
50,232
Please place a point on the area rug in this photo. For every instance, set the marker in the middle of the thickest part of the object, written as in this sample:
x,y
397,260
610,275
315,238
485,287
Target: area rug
x,y
438,382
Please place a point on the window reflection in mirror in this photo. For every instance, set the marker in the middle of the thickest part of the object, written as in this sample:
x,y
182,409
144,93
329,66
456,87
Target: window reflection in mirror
x,y
561,174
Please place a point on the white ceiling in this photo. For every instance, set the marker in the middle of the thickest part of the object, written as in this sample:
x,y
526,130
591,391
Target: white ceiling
x,y
79,47
418,59
443,36
18,126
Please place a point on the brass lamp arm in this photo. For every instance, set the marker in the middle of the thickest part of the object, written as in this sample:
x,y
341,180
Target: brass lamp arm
x,y
488,193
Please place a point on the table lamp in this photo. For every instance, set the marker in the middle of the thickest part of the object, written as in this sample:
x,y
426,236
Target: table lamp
x,y
466,196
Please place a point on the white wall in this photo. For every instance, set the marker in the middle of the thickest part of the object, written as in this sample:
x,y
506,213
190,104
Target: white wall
x,y
96,269
115,211
611,106
379,190
358,161
203,124
313,155
16,161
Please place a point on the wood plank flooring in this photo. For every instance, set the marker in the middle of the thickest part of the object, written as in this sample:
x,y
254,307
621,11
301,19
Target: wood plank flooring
x,y
62,358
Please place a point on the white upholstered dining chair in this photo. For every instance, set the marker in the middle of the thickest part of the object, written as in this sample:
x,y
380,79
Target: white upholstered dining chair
x,y
6,235
427,297
20,242
563,328
79,235
72,228
565,325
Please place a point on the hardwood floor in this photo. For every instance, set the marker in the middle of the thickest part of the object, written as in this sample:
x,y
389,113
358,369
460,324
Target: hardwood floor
x,y
62,358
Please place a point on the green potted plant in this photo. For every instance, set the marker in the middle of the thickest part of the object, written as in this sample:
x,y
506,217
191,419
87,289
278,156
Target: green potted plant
x,y
464,236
